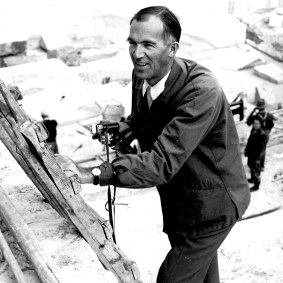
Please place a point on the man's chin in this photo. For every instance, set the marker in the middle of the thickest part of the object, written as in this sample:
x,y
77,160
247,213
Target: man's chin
x,y
141,75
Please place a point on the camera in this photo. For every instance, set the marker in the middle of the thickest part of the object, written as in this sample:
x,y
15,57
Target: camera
x,y
103,128
110,131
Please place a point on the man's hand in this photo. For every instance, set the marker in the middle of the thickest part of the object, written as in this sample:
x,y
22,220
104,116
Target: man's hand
x,y
107,176
255,109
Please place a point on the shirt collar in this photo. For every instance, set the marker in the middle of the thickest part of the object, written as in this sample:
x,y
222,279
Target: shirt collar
x,y
157,89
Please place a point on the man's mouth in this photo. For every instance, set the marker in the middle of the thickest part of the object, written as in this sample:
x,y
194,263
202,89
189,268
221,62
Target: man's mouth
x,y
141,65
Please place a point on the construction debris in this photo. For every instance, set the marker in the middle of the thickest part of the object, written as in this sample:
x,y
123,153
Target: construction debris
x,y
265,35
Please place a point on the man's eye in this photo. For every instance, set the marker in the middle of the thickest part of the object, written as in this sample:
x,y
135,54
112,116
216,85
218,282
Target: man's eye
x,y
147,45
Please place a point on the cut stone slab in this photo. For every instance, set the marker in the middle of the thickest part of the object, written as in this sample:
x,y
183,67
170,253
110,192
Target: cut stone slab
x,y
116,68
76,49
270,72
92,54
69,55
245,58
74,56
233,82
29,57
13,48
89,41
240,57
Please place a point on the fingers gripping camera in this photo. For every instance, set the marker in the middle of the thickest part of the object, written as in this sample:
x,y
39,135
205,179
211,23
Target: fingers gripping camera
x,y
108,133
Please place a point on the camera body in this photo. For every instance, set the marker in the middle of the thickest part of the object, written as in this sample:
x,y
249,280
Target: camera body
x,y
110,131
103,128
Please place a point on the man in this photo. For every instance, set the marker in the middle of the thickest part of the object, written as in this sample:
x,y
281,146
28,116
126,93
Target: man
x,y
254,151
51,126
267,121
189,149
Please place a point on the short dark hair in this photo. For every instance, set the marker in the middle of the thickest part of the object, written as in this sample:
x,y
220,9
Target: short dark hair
x,y
170,21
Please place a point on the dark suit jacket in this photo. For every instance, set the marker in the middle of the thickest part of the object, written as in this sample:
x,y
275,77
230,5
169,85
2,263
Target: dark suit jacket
x,y
190,152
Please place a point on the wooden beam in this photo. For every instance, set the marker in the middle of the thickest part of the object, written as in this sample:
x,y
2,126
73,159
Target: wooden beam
x,y
25,139
26,240
10,258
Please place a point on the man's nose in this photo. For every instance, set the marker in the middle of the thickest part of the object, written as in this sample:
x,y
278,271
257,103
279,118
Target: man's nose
x,y
139,52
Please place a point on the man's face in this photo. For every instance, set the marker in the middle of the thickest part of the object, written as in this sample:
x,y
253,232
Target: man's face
x,y
256,124
150,52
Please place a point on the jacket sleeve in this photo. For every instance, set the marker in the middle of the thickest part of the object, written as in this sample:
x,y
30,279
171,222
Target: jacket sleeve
x,y
194,118
250,118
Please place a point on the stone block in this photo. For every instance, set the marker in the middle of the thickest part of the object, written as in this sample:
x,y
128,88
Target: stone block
x,y
13,48
270,72
89,55
69,55
23,58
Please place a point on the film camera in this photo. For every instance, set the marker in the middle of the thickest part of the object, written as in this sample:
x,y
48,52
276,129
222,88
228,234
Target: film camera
x,y
108,134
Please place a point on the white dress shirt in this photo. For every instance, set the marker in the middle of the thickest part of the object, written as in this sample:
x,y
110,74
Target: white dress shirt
x,y
157,88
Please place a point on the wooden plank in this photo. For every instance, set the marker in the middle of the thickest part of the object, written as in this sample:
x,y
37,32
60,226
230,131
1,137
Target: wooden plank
x,y
26,240
16,146
27,138
9,257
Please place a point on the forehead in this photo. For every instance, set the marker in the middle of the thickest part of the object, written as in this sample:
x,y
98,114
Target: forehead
x,y
150,29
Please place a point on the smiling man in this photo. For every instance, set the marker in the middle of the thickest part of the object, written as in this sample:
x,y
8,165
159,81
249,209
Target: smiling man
x,y
152,49
189,149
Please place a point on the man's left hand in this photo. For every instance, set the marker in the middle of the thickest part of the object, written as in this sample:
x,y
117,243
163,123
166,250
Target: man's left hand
x,y
107,176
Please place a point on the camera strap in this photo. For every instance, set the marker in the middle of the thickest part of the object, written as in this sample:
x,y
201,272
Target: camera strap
x,y
110,205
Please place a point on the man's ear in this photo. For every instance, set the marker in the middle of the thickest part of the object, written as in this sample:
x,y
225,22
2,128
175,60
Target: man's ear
x,y
174,48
